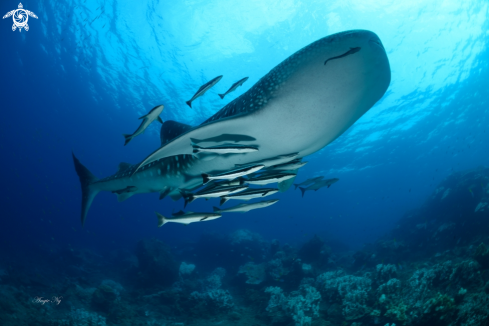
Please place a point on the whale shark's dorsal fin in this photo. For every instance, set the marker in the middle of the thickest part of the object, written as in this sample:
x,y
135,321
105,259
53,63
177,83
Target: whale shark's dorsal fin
x,y
123,166
172,129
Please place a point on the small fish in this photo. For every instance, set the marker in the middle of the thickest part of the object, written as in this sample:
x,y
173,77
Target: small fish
x,y
229,175
153,115
224,138
270,178
235,182
186,218
243,208
294,165
308,181
212,193
204,88
233,87
127,189
318,185
225,149
281,159
249,194
351,51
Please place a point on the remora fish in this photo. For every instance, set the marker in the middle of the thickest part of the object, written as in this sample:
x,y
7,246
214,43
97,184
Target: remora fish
x,y
204,88
287,166
318,185
233,87
186,218
153,115
212,193
214,184
232,174
308,181
308,107
243,208
225,149
224,138
349,52
281,159
270,178
249,194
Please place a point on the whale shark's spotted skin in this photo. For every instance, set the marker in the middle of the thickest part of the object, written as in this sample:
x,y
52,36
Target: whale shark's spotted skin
x,y
300,106
264,90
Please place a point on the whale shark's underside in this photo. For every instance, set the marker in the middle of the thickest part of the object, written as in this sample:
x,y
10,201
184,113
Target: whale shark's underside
x,y
299,107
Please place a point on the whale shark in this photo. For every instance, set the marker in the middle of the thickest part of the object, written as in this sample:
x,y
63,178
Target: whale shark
x,y
299,107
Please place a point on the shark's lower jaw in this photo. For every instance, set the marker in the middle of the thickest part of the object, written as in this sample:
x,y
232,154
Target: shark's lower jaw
x,y
300,106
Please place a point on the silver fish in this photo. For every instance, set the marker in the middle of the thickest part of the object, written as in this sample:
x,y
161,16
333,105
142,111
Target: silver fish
x,y
250,194
211,193
281,159
186,218
153,115
232,174
307,182
318,185
224,138
204,88
270,178
287,166
225,149
243,208
233,87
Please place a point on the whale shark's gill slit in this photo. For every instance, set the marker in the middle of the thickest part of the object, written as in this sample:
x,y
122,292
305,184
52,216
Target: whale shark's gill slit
x,y
347,53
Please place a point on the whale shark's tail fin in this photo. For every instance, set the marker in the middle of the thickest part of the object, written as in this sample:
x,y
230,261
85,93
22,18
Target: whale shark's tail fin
x,y
189,103
88,193
128,138
221,96
303,191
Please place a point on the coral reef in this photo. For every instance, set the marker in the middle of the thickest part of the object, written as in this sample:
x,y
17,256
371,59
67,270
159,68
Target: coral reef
x,y
155,260
302,306
186,269
431,269
255,273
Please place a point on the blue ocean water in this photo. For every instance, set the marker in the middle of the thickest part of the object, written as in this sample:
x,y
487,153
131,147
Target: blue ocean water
x,y
87,70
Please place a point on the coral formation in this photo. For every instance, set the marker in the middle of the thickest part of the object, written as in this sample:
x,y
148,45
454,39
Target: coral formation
x,y
431,269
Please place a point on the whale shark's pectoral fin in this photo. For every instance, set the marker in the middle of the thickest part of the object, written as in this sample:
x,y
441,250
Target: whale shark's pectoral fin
x,y
175,196
165,193
285,185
